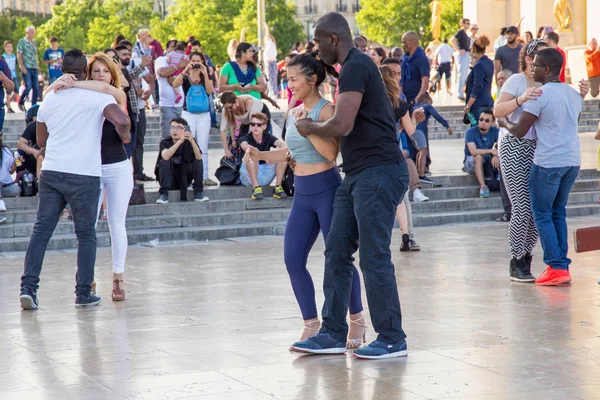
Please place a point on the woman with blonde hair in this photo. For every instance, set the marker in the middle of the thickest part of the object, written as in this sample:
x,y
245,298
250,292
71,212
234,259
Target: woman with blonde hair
x,y
117,171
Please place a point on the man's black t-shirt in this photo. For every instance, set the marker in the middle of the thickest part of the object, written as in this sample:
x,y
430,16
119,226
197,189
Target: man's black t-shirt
x,y
30,134
112,149
464,42
372,141
184,154
268,142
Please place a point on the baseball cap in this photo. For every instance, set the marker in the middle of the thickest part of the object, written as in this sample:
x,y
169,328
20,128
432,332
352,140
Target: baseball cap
x,y
512,29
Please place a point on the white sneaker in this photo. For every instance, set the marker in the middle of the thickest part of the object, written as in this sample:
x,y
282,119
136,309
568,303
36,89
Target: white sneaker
x,y
419,196
2,205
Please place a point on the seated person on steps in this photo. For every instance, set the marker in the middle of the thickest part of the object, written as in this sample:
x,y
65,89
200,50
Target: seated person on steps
x,y
262,173
27,145
179,163
480,149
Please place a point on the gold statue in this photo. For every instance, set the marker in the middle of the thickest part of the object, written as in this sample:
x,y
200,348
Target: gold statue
x,y
436,20
563,14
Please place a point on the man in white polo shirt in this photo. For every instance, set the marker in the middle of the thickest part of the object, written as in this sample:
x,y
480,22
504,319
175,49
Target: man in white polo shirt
x,y
69,126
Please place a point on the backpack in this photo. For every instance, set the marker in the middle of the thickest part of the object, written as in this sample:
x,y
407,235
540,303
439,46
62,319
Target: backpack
x,y
196,100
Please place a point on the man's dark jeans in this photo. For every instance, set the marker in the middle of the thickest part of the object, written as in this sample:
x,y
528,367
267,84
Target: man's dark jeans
x,y
364,212
56,190
31,84
173,176
138,154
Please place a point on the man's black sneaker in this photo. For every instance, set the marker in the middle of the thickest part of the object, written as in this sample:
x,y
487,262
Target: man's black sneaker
x,y
22,107
163,199
427,180
519,272
257,193
87,300
413,246
29,300
279,193
144,178
405,246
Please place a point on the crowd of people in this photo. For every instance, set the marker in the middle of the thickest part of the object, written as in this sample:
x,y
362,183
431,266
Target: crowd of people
x,y
347,98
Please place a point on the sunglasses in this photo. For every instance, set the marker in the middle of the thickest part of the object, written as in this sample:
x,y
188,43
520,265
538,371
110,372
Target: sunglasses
x,y
485,120
259,124
532,46
177,128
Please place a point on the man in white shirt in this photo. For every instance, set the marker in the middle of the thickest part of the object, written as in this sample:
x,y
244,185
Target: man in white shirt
x,y
169,108
444,59
69,126
270,55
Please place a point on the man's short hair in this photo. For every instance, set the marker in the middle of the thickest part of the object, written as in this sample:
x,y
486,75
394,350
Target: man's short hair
x,y
179,120
490,112
553,36
552,58
121,47
390,60
74,61
125,42
30,27
53,39
260,116
196,43
463,20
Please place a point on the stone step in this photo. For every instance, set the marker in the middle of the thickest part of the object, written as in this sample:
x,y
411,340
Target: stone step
x,y
69,241
24,229
490,214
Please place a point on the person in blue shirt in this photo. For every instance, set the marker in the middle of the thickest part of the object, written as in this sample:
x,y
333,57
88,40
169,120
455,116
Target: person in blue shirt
x,y
481,148
53,59
415,68
479,80
421,136
11,60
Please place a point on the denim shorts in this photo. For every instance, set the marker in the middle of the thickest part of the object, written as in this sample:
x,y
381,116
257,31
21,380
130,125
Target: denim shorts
x,y
266,174
419,140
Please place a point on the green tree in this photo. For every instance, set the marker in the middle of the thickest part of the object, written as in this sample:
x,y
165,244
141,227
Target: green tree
x,y
385,21
280,18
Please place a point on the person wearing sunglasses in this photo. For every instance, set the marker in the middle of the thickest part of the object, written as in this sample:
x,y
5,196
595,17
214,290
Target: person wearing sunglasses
x,y
554,117
516,159
480,149
257,175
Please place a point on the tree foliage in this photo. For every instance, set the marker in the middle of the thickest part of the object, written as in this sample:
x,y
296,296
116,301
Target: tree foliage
x,y
385,21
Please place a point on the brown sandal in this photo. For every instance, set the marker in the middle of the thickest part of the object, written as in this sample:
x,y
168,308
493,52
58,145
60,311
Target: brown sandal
x,y
118,294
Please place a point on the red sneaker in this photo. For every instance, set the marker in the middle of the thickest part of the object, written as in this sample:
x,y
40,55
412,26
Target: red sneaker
x,y
552,277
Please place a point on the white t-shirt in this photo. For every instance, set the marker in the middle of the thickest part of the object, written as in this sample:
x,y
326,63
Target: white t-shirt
x,y
516,85
166,91
445,52
74,120
270,51
7,161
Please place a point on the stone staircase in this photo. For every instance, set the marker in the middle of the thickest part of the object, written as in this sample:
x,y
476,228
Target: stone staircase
x,y
231,213
453,114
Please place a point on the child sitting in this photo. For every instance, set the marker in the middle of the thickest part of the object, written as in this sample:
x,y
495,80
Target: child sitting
x,y
174,58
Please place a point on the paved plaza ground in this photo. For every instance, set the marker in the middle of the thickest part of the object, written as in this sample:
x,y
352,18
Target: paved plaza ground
x,y
214,321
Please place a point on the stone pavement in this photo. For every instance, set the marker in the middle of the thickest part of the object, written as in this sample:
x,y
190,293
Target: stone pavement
x,y
214,321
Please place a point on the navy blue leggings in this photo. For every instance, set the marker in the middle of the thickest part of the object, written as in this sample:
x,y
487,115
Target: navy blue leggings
x,y
312,210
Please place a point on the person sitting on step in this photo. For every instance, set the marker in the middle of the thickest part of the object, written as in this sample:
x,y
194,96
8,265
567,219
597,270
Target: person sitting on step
x,y
262,173
179,163
480,149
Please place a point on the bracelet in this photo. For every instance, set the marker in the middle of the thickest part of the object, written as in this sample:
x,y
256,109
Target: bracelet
x,y
517,101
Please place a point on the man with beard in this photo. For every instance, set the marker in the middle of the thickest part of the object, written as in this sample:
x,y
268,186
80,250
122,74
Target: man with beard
x,y
507,56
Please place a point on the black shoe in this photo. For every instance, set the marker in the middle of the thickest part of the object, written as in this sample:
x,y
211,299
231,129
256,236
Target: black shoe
x,y
143,178
528,259
87,300
427,180
22,107
520,271
29,300
405,246
413,246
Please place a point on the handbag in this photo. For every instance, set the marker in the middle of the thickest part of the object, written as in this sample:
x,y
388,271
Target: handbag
x,y
288,181
228,172
138,196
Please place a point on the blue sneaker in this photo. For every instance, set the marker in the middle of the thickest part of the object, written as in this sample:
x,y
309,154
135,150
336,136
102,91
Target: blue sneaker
x,y
484,192
87,300
323,343
29,300
377,350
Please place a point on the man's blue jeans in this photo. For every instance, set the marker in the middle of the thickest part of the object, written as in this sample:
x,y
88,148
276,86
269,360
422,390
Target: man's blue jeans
x,y
364,212
549,189
56,190
31,84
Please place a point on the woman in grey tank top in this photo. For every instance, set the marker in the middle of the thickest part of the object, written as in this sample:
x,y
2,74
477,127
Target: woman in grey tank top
x,y
316,180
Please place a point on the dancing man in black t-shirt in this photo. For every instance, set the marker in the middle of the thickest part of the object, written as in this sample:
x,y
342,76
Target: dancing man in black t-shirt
x,y
365,203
